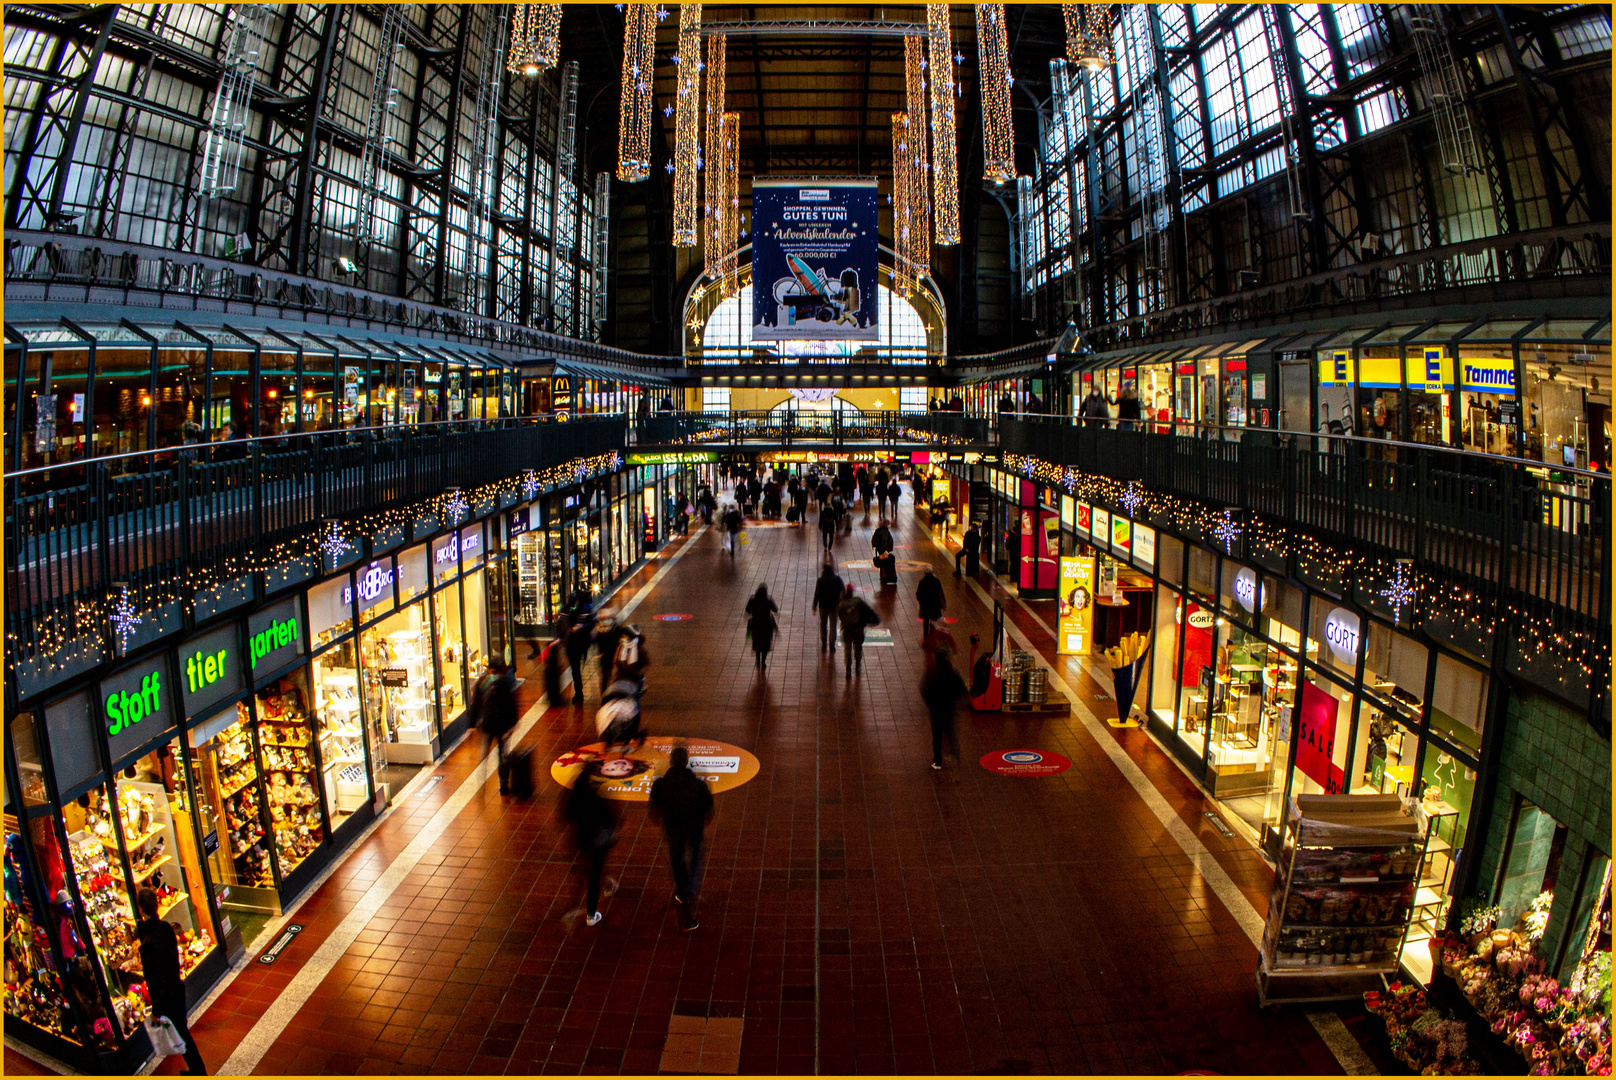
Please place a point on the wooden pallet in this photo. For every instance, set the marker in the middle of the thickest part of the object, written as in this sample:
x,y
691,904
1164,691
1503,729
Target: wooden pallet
x,y
1056,704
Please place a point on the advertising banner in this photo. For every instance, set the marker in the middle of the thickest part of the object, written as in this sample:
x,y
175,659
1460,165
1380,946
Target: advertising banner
x,y
1315,739
1076,606
814,255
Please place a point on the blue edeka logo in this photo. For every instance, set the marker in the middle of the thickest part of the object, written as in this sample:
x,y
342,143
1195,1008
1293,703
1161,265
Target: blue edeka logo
x,y
125,710
1023,757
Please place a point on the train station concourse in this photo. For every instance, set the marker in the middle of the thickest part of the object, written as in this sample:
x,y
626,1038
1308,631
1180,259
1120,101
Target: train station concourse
x,y
690,538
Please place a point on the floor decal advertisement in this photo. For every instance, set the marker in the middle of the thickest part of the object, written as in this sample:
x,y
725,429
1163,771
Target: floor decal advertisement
x,y
1026,763
814,261
628,777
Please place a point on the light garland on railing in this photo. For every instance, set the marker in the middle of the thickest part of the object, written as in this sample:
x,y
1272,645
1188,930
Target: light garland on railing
x,y
686,125
1088,35
993,73
713,200
634,113
535,38
945,161
919,160
1538,635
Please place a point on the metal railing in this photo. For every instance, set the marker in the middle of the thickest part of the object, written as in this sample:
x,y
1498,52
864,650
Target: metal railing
x,y
768,427
185,514
1507,525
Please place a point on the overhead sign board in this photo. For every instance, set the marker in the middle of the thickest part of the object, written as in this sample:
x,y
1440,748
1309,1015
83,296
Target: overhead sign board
x,y
814,254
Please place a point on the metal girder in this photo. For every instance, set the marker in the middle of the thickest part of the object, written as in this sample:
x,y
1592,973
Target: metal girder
x,y
797,28
428,128
809,158
441,154
115,166
308,222
746,50
1563,151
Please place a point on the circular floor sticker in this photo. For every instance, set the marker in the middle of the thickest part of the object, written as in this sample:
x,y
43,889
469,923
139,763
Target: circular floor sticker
x,y
629,777
673,617
1025,763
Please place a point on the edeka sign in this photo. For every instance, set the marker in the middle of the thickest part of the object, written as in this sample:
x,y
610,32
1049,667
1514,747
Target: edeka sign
x,y
210,668
692,457
1341,634
1487,374
1315,739
136,705
275,636
814,261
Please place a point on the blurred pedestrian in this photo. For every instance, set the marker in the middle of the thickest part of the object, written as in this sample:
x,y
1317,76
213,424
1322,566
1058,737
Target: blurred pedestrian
x,y
855,616
160,966
881,497
760,624
970,546
685,803
580,635
827,525
495,706
827,594
941,688
595,831
929,594
732,529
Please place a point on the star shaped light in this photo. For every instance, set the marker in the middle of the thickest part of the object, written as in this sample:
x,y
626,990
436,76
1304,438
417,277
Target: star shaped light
x,y
1131,499
530,485
1227,530
1399,591
455,505
667,110
662,14
333,544
123,618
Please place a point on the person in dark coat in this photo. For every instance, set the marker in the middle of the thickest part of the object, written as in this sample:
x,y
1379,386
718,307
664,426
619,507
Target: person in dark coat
x,y
827,594
827,525
881,498
732,529
866,493
608,635
595,831
930,596
760,612
881,540
1093,410
894,493
822,493
1007,404
740,495
1127,409
555,661
941,689
855,616
580,634
496,714
685,804
160,962
753,490
970,546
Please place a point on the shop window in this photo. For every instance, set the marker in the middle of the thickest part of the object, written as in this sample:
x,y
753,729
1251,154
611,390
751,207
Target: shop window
x,y
1320,724
92,845
1334,638
399,675
230,803
342,748
412,573
161,837
1201,697
1255,691
1164,656
1203,564
30,763
330,614
1170,561
1459,703
1395,666
1531,869
286,761
34,992
457,665
74,757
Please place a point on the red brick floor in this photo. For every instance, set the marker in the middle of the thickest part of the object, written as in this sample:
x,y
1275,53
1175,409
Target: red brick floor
x,y
861,912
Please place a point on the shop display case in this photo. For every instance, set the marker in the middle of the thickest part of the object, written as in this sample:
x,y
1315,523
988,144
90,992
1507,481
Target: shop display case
x,y
287,764
399,676
1344,892
163,858
227,776
105,897
342,745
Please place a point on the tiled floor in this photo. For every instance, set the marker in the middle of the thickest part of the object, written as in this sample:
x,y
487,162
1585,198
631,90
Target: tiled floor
x,y
861,913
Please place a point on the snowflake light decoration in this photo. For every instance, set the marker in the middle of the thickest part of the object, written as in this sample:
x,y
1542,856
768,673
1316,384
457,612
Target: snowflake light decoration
x,y
1070,480
1399,591
617,461
1026,466
455,505
1131,499
123,618
530,486
333,543
1227,530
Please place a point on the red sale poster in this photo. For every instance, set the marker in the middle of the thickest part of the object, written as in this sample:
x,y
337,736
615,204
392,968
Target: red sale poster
x,y
1315,738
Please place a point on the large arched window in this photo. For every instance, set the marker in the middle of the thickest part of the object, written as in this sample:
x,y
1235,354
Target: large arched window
x,y
727,334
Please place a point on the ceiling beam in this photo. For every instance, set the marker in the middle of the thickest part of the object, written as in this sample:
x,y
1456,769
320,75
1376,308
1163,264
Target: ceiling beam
x,y
756,28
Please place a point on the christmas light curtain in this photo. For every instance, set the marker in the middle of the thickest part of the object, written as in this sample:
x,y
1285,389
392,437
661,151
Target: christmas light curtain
x,y
535,38
993,66
903,275
634,120
687,125
918,160
945,171
714,202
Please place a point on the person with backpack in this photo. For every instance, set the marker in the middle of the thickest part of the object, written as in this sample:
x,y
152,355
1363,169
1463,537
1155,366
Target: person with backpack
x,y
684,802
855,615
760,625
827,525
827,594
732,529
929,594
594,831
881,540
941,688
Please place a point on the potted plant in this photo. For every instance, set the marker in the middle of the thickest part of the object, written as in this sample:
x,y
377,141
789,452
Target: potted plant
x,y
1477,920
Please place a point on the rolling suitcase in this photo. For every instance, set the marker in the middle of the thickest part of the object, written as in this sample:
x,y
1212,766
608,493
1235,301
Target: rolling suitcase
x,y
888,565
793,514
519,773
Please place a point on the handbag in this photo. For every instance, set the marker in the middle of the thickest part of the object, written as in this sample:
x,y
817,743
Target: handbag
x,y
165,1038
744,538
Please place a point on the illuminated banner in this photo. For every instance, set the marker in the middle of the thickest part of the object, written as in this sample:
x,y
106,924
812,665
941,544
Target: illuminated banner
x,y
814,261
1076,606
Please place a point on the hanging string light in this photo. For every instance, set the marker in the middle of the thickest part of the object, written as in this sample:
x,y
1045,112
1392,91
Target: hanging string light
x,y
634,119
993,67
729,266
1088,35
714,203
535,38
686,125
945,172
914,80
902,208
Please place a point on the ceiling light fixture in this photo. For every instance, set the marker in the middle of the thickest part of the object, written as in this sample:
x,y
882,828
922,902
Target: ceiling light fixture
x,y
634,114
686,125
945,172
993,68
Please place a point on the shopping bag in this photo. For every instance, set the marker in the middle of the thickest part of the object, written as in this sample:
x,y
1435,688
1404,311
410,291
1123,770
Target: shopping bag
x,y
165,1038
744,538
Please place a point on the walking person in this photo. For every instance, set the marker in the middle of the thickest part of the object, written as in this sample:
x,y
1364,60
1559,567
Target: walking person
x,y
929,593
881,498
941,688
760,625
855,615
555,661
894,493
822,493
732,529
160,964
595,831
827,525
1127,409
580,635
740,495
685,803
827,594
608,634
881,540
970,549
1093,410
866,493
495,714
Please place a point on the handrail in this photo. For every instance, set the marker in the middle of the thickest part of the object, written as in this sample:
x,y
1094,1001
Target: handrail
x,y
1233,433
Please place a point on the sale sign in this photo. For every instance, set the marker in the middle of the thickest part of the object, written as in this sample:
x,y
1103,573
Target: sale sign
x,y
1315,739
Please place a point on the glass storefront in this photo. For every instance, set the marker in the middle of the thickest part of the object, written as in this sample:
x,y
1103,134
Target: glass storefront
x,y
286,750
396,661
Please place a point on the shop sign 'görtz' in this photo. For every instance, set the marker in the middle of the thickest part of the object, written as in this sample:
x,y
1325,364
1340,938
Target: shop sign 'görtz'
x,y
1341,633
